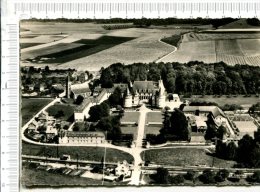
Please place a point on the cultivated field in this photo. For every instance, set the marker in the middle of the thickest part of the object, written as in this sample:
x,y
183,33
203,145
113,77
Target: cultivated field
x,y
144,46
31,106
229,47
184,157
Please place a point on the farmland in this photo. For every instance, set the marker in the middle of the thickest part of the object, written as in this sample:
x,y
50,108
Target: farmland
x,y
142,44
84,46
31,106
209,47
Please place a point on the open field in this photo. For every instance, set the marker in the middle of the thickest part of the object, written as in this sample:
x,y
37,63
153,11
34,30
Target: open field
x,y
26,45
221,101
33,177
85,153
184,157
229,47
68,111
31,106
144,48
65,52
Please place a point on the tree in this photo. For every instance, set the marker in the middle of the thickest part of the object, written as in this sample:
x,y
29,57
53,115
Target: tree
x,y
191,175
221,132
177,179
98,111
245,146
42,129
211,131
79,99
255,177
207,177
231,151
116,98
161,176
222,175
179,125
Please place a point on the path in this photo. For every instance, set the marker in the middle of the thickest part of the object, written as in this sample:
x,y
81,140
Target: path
x,y
160,59
136,173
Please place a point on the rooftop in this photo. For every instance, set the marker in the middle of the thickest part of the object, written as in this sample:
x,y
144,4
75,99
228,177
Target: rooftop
x,y
210,109
149,86
83,105
85,134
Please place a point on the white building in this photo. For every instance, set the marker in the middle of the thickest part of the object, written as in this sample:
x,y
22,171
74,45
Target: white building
x,y
84,137
152,92
122,168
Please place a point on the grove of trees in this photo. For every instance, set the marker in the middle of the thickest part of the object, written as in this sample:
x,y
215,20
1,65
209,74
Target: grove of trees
x,y
246,153
191,78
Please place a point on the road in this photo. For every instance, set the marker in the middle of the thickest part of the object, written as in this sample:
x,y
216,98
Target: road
x,y
174,49
136,151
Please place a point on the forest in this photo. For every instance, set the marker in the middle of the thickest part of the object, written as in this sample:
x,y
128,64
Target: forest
x,y
193,78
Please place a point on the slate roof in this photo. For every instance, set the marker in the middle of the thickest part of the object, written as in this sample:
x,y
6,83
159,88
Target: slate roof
x,y
210,109
144,86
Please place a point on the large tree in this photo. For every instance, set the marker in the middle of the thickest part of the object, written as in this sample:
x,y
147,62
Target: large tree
x,y
177,126
98,111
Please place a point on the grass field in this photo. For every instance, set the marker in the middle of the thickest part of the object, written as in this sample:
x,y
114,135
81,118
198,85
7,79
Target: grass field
x,y
221,101
130,117
85,153
68,111
184,157
154,117
36,178
31,106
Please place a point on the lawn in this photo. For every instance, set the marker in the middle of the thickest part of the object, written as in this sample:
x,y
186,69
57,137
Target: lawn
x,y
153,129
154,117
221,101
85,153
130,117
31,106
129,129
36,178
184,157
68,111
